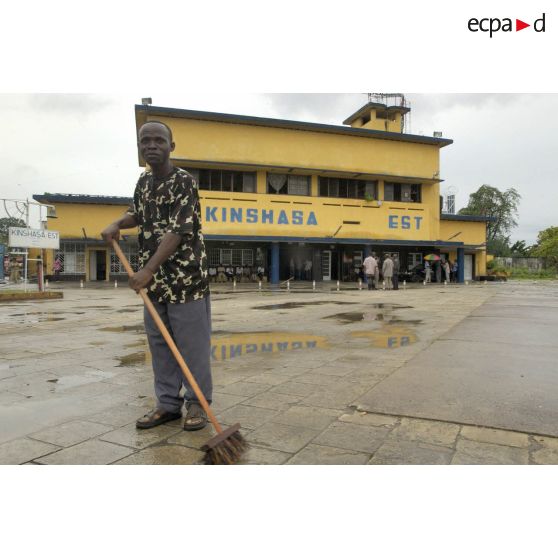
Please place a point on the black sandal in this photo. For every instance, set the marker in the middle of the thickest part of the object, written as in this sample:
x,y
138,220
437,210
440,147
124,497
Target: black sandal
x,y
196,417
156,417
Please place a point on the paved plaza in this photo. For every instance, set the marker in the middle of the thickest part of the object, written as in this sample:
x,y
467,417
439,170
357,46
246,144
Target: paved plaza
x,y
456,374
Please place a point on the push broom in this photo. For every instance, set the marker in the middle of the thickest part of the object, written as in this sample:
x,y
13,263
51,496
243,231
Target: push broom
x,y
228,446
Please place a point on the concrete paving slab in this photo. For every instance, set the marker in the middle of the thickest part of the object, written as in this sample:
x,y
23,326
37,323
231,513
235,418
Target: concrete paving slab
x,y
164,455
91,452
261,456
192,439
282,437
314,454
469,452
411,452
249,416
430,432
120,415
492,436
316,418
70,433
21,450
369,419
133,437
546,452
244,388
276,401
355,437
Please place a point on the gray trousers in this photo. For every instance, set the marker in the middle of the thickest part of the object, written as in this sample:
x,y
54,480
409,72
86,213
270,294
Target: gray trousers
x,y
189,325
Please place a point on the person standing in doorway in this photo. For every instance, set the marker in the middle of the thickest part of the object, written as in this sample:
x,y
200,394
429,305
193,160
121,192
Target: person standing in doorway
x,y
395,278
427,272
454,268
438,271
173,269
447,270
387,271
377,271
370,270
56,267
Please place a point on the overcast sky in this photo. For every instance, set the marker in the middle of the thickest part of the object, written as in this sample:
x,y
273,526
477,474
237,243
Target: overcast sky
x,y
85,144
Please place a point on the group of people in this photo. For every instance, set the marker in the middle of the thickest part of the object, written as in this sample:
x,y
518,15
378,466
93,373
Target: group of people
x,y
300,270
222,273
386,269
446,267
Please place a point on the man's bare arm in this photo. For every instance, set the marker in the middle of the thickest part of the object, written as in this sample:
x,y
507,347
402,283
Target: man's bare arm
x,y
127,221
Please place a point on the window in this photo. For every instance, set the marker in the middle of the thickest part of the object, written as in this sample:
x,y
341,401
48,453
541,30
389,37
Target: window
x,y
224,180
395,191
347,188
131,253
72,258
292,184
214,256
413,258
231,256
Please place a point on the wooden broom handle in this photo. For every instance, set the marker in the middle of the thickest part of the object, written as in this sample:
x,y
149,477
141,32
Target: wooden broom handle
x,y
169,340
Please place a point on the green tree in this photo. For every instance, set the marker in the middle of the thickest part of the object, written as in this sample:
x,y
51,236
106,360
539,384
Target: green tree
x,y
500,206
5,224
520,249
499,247
547,245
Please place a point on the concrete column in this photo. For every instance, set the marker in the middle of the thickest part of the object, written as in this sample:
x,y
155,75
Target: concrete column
x,y
274,263
460,265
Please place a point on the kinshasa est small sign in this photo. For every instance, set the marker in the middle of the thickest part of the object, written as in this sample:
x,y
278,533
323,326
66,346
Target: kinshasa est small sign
x,y
20,237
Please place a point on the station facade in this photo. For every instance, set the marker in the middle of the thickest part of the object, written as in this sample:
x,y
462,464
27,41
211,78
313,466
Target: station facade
x,y
298,199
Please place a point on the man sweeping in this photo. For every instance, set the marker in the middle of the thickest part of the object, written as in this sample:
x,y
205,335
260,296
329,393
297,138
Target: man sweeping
x,y
173,261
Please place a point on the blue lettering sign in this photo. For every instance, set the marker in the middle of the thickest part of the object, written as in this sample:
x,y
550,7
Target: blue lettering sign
x,y
283,218
236,215
267,216
405,222
312,219
297,217
251,348
282,346
224,215
210,214
251,215
417,222
392,220
236,350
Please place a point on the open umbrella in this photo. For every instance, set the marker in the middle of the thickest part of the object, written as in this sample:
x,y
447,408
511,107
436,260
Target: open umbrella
x,y
432,257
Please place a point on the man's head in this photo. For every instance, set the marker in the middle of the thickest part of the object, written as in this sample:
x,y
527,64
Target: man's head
x,y
155,143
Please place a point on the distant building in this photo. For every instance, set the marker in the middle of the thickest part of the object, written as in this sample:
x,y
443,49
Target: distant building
x,y
278,193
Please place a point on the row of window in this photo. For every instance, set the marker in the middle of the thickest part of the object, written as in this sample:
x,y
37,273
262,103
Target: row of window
x,y
299,185
72,259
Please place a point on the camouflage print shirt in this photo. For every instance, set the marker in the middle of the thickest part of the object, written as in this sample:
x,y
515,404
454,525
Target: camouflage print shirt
x,y
171,204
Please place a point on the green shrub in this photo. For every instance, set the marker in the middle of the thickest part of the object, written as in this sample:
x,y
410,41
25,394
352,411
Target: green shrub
x,y
525,273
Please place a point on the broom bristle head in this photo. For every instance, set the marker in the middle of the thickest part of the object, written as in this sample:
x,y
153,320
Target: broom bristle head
x,y
227,451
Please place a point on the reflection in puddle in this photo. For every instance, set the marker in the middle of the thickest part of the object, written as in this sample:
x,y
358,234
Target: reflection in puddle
x,y
352,317
289,305
240,344
137,328
388,337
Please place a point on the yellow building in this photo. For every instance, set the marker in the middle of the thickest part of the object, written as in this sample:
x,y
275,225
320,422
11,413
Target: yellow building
x,y
302,200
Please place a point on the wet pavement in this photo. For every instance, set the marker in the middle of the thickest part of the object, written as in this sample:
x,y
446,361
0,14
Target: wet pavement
x,y
394,377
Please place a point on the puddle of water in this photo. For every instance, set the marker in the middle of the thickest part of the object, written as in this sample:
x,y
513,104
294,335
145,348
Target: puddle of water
x,y
137,328
95,306
388,337
290,305
237,345
17,319
124,310
97,343
134,359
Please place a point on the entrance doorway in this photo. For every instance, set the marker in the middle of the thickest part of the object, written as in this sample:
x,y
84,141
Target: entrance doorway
x,y
97,265
468,268
326,265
